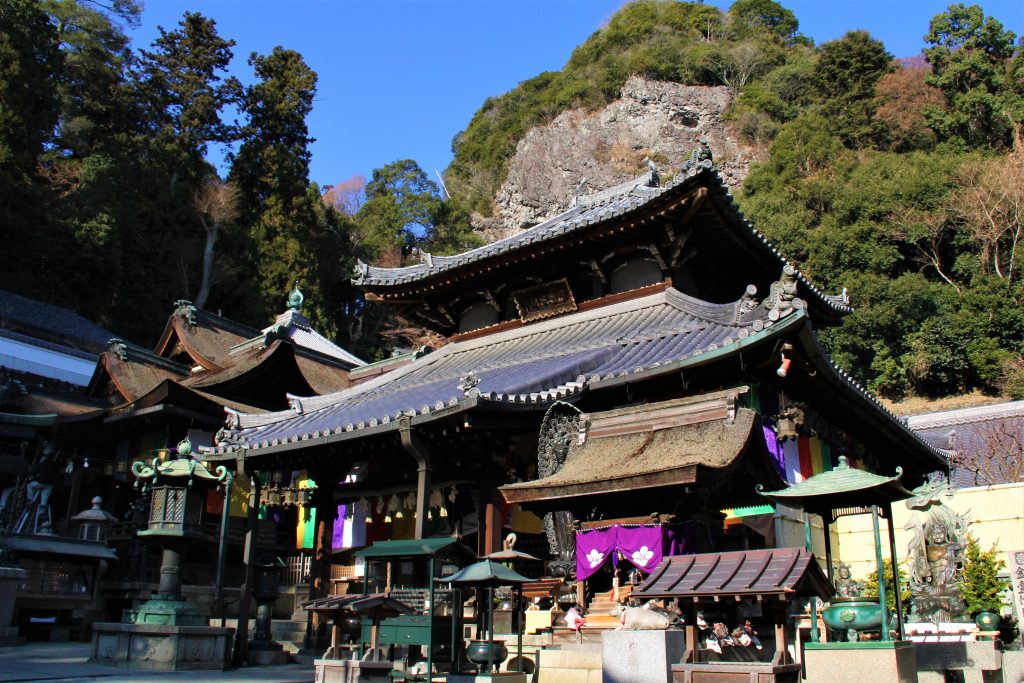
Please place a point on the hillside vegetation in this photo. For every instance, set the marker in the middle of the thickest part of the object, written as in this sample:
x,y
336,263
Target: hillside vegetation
x,y
902,181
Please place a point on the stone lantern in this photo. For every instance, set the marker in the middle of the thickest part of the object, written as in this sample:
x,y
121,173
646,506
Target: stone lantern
x,y
167,632
263,650
94,522
178,489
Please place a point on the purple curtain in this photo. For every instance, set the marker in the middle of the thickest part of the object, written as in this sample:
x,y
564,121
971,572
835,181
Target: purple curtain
x,y
593,548
775,448
642,546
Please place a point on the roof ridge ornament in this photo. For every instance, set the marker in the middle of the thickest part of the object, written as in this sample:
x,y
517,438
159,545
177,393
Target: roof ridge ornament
x,y
468,384
187,310
782,299
295,298
701,157
118,347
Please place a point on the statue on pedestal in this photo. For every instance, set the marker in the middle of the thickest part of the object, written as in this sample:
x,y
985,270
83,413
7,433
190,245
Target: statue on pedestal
x,y
939,535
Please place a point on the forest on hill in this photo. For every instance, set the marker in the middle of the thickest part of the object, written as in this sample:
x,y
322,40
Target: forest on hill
x,y
902,181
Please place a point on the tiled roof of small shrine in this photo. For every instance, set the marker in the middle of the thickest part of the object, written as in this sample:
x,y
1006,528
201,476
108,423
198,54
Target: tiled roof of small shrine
x,y
532,364
617,202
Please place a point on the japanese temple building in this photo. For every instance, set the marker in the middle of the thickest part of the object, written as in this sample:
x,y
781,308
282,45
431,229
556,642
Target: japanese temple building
x,y
646,354
61,450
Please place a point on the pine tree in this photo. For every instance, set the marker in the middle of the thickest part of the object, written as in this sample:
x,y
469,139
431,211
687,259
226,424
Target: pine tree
x,y
980,584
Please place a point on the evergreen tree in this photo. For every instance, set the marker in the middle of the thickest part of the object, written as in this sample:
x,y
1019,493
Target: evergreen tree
x,y
846,76
970,55
181,83
292,234
980,584
30,65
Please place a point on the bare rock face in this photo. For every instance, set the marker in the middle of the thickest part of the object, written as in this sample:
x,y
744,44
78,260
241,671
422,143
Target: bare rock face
x,y
652,119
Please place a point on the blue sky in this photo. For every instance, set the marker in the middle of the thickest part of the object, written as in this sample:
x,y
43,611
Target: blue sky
x,y
399,78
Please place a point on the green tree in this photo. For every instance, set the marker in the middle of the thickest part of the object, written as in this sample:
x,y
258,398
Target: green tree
x,y
182,85
871,586
980,584
846,76
290,232
970,55
400,208
761,15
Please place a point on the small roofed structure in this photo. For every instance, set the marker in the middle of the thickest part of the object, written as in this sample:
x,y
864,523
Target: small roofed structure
x,y
338,607
843,491
770,578
487,574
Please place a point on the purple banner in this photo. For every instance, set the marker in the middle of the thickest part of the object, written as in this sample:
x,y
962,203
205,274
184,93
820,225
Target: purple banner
x,y
593,548
774,448
641,545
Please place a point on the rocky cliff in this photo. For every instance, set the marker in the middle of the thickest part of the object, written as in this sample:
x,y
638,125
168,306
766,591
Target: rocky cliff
x,y
651,120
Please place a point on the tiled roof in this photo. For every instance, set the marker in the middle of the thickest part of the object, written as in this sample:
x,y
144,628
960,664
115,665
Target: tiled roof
x,y
533,364
972,432
298,328
712,576
53,322
632,198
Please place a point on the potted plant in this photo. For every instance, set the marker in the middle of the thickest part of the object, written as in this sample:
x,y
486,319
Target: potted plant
x,y
980,584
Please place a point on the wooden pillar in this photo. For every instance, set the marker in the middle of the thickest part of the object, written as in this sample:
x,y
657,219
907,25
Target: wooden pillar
x,y
320,566
248,556
880,568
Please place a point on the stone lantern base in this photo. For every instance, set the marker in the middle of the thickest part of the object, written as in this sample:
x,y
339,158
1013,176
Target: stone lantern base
x,y
10,578
161,647
166,611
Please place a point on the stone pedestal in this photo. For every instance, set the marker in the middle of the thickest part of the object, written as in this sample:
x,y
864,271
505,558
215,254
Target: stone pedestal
x,y
160,647
503,677
640,656
972,662
351,671
10,578
881,662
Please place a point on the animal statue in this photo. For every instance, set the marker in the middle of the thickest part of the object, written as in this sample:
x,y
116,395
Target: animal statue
x,y
640,619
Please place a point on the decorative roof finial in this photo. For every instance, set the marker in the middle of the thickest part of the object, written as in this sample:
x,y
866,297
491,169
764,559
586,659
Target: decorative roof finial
x,y
295,298
699,158
184,448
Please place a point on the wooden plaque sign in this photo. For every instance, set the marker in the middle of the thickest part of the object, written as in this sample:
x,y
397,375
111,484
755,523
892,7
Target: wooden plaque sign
x,y
544,300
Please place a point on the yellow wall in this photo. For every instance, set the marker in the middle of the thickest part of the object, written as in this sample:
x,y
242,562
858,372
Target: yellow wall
x,y
996,514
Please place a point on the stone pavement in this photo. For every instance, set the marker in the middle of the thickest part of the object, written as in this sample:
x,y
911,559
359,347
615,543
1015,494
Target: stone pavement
x,y
69,662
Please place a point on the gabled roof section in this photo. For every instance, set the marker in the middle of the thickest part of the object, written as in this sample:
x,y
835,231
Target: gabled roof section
x,y
133,371
528,366
297,329
587,217
207,338
51,323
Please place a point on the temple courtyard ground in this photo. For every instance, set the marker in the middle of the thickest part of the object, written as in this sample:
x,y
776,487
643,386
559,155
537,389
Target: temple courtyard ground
x,y
69,662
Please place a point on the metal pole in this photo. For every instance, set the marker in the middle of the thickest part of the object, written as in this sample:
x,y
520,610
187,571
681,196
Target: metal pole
x,y
518,619
882,602
222,548
814,600
430,623
490,630
901,629
828,550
